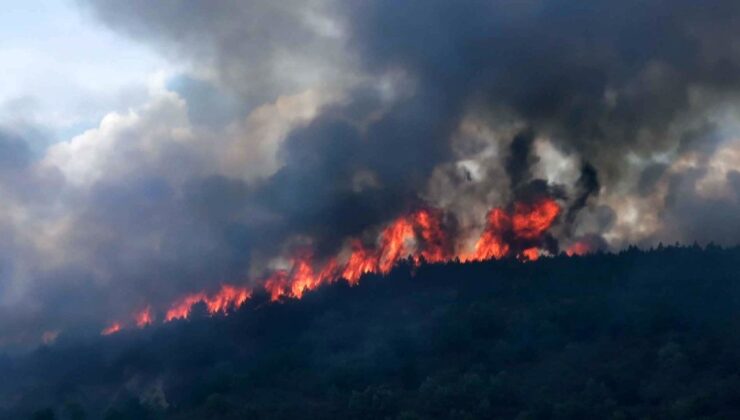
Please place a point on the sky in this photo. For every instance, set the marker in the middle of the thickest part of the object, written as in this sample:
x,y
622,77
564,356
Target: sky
x,y
63,73
155,150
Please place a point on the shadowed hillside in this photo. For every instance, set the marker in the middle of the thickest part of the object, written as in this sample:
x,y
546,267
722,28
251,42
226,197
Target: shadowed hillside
x,y
634,335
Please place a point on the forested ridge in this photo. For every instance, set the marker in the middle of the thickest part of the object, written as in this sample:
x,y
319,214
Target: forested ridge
x,y
638,334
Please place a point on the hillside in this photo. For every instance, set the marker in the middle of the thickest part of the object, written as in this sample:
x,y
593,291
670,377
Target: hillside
x,y
630,335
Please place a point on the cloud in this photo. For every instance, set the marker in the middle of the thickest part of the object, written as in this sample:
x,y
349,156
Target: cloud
x,y
259,49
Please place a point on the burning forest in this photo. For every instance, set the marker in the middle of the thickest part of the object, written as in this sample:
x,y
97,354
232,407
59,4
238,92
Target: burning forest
x,y
425,235
261,148
166,166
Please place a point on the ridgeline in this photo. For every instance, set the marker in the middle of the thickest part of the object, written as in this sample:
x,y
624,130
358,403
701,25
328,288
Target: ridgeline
x,y
639,334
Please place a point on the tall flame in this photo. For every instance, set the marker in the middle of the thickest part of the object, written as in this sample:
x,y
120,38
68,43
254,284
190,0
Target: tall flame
x,y
361,261
491,244
530,221
429,225
418,235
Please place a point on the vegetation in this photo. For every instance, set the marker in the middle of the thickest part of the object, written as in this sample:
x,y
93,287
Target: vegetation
x,y
648,335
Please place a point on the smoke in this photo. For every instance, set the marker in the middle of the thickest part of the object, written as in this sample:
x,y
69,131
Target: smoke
x,y
586,186
520,159
304,124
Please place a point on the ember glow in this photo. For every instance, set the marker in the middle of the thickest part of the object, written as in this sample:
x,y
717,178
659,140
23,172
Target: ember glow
x,y
578,248
418,237
144,317
111,329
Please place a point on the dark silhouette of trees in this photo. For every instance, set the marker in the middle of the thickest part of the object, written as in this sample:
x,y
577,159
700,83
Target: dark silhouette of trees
x,y
617,336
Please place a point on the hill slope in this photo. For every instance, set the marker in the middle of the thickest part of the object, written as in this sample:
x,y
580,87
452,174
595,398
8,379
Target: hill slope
x,y
605,336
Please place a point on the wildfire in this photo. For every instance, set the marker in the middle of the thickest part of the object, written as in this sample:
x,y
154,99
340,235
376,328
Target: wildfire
x,y
111,329
228,297
421,237
531,254
436,243
360,262
578,248
300,278
526,225
394,244
417,237
530,221
491,244
144,317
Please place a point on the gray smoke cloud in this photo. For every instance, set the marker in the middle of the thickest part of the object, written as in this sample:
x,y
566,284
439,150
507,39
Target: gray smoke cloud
x,y
315,121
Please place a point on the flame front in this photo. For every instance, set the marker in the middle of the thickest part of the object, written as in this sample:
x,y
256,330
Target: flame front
x,y
420,237
228,297
417,237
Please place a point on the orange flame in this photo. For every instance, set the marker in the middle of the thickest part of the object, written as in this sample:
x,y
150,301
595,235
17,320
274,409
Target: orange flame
x,y
578,248
299,278
144,317
361,261
433,236
228,297
417,237
491,244
530,254
527,223
532,220
111,329
394,244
